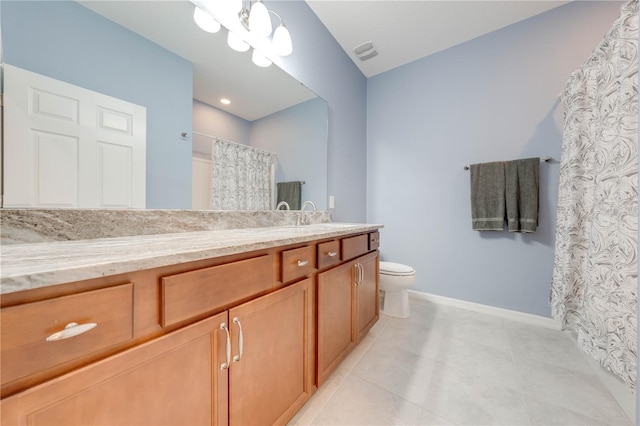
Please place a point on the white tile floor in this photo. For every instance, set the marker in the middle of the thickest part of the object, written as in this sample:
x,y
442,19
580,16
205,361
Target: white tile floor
x,y
450,366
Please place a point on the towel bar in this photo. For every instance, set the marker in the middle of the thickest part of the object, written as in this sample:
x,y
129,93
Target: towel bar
x,y
545,159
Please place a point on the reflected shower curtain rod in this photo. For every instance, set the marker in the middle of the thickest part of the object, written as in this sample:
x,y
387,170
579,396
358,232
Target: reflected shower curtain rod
x,y
236,143
545,159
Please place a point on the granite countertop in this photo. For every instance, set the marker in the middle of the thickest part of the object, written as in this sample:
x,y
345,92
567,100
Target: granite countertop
x,y
29,266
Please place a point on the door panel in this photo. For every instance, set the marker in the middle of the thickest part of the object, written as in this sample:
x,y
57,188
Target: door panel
x,y
151,384
336,335
65,146
273,377
56,175
367,306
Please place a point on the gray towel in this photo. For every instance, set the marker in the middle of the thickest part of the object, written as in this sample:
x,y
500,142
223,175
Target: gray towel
x,y
487,196
522,194
291,193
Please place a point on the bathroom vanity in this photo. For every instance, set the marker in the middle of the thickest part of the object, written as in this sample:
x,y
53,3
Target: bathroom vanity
x,y
212,327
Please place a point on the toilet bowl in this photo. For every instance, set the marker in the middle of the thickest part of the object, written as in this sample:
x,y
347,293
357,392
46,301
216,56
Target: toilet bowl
x,y
395,280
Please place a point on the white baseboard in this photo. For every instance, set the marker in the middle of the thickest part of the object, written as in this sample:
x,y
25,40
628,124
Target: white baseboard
x,y
489,310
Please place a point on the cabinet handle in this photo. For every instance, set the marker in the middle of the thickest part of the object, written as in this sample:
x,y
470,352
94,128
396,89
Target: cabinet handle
x,y
302,263
355,272
360,273
374,240
332,253
357,268
70,330
225,365
238,357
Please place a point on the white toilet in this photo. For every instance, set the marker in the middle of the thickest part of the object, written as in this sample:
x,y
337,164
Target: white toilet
x,y
395,280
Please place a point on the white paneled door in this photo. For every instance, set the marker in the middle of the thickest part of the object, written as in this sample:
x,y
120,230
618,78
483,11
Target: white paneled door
x,y
65,146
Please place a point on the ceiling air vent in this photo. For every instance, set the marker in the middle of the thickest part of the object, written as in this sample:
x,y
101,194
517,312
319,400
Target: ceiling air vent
x,y
366,50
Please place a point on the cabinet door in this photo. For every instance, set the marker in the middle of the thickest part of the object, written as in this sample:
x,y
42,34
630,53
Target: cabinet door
x,y
336,335
175,379
271,376
367,306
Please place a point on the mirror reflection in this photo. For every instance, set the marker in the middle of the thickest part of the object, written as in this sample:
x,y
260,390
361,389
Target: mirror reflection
x,y
153,55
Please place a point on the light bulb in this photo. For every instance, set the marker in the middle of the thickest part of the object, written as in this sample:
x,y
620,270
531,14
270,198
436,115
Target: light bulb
x,y
259,19
260,60
205,21
282,41
236,43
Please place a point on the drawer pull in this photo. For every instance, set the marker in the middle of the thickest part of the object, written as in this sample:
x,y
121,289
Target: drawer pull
x,y
374,240
302,263
238,357
70,330
225,365
332,254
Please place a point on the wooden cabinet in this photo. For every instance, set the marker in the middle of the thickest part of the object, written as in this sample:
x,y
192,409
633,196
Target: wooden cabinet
x,y
27,348
271,376
328,254
236,341
374,240
367,305
297,263
189,294
175,379
336,337
355,246
185,377
347,309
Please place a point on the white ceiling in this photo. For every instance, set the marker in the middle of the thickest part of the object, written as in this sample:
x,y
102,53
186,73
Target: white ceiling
x,y
404,31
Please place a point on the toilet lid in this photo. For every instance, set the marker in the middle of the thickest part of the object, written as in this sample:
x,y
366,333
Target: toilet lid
x,y
391,268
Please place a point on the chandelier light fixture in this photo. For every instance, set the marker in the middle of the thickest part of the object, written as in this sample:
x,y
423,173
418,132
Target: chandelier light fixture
x,y
205,21
249,27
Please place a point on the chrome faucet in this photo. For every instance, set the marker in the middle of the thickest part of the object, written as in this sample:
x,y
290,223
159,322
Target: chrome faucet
x,y
283,203
303,219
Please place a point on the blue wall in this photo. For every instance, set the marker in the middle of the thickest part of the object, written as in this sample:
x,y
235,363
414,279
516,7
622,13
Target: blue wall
x,y
68,42
216,122
320,64
493,98
298,135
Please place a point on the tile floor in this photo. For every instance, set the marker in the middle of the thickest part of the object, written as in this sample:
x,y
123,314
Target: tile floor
x,y
450,366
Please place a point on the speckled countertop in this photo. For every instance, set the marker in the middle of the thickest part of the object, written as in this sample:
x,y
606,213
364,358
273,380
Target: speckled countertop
x,y
29,266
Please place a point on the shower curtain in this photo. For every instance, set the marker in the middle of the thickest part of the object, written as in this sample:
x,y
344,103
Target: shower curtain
x,y
243,177
595,277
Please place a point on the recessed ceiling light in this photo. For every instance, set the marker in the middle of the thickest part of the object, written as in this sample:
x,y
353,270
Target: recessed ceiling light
x,y
225,101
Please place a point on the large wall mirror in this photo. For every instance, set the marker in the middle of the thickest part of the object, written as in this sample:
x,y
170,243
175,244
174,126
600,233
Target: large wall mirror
x,y
152,54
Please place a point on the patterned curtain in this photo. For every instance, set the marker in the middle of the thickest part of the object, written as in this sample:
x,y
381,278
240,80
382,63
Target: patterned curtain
x,y
243,177
595,277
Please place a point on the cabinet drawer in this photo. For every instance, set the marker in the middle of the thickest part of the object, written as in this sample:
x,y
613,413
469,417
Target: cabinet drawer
x,y
297,263
328,254
355,246
193,293
374,240
25,328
